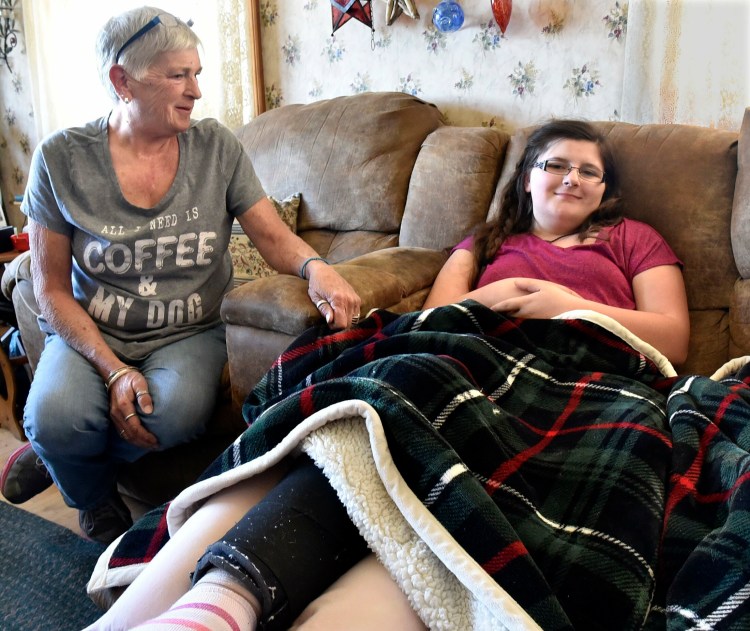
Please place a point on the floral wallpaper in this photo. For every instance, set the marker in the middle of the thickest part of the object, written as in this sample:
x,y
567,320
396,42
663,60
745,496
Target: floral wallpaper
x,y
556,57
17,129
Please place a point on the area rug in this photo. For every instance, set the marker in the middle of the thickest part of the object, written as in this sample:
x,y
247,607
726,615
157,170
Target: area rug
x,y
43,573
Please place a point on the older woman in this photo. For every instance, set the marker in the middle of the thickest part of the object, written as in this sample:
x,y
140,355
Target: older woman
x,y
130,217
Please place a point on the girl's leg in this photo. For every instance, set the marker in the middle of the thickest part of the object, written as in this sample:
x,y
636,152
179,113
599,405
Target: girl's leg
x,y
290,547
281,554
366,598
167,576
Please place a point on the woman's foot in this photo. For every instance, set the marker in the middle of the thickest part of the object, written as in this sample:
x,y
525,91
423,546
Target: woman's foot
x,y
107,521
24,475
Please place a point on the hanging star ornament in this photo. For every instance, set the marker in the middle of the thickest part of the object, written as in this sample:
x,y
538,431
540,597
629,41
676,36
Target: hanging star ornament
x,y
344,10
394,8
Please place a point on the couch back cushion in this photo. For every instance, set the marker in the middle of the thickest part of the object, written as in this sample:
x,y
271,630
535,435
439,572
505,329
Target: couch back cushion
x,y
680,179
350,157
452,185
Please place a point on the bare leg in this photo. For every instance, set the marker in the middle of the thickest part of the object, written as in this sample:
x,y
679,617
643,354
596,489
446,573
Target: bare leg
x,y
366,598
167,577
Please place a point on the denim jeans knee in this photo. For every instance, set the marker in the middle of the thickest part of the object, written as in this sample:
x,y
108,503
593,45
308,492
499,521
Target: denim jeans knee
x,y
67,410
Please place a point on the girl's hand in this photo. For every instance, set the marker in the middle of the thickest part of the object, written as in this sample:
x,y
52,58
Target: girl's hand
x,y
539,299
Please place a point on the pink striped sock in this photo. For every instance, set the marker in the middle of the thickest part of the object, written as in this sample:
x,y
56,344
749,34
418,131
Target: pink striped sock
x,y
208,606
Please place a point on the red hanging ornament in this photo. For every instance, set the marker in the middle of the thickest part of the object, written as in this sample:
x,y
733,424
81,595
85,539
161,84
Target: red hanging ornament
x,y
501,10
344,10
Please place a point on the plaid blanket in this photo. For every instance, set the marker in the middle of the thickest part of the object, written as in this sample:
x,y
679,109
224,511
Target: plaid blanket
x,y
548,474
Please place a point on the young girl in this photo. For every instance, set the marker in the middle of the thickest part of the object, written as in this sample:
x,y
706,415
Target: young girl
x,y
560,243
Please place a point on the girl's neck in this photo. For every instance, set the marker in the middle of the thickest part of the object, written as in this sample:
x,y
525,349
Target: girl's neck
x,y
552,236
560,237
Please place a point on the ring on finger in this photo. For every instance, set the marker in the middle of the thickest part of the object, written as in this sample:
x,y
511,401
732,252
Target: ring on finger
x,y
320,303
122,433
140,394
355,319
131,415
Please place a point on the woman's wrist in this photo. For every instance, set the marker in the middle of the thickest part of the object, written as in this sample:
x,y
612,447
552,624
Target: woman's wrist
x,y
116,374
306,263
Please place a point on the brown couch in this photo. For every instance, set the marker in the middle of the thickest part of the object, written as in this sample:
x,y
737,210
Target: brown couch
x,y
387,187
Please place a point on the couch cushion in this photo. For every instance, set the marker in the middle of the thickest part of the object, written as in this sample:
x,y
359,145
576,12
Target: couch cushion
x,y
741,209
350,157
452,185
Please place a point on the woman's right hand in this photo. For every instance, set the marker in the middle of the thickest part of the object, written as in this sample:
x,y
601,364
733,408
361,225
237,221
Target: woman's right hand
x,y
129,399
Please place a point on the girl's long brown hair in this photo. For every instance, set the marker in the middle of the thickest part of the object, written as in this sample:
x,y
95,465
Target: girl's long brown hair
x,y
516,212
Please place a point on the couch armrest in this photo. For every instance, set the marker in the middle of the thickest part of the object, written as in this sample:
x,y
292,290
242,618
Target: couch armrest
x,y
384,279
264,316
15,271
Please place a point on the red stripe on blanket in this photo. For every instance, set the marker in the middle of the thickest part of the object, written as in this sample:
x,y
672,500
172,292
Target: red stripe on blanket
x,y
607,339
685,484
724,406
158,538
307,402
509,467
361,332
636,427
290,354
504,557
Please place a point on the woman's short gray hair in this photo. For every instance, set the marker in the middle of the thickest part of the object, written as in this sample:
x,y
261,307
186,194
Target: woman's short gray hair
x,y
168,35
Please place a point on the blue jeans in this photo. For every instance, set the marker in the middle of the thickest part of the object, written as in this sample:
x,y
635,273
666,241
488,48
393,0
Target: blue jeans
x,y
67,411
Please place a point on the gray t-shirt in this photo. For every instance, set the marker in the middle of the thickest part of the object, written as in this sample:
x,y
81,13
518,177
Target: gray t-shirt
x,y
152,276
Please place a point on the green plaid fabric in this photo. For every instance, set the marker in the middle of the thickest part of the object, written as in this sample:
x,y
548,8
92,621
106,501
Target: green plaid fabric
x,y
546,449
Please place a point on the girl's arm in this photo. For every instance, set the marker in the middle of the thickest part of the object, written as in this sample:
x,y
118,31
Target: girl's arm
x,y
453,284
660,317
453,281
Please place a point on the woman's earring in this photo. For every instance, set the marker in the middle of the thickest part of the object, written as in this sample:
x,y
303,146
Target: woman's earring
x,y
125,100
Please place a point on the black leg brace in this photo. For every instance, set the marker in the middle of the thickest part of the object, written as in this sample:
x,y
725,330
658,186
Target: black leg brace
x,y
289,547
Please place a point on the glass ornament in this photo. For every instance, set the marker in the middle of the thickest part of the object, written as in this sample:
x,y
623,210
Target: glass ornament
x,y
448,16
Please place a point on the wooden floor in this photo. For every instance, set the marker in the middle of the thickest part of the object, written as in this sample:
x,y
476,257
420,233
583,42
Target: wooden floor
x,y
48,504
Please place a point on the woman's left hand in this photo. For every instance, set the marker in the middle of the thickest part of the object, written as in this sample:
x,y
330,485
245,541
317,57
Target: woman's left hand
x,y
541,300
129,399
333,296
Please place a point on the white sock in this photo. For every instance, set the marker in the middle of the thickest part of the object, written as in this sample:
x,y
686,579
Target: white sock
x,y
210,605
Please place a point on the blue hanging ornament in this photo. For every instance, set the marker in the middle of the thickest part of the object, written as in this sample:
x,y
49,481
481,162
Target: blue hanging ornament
x,y
448,16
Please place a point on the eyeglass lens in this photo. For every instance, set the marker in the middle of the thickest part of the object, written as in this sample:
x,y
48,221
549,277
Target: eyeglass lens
x,y
559,167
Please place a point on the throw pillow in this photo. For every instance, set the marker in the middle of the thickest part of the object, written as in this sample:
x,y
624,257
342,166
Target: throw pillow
x,y
247,262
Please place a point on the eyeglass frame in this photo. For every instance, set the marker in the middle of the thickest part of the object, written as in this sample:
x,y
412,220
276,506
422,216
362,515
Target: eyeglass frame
x,y
154,21
543,166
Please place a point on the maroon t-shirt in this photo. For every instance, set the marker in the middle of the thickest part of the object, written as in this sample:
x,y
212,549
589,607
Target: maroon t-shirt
x,y
602,271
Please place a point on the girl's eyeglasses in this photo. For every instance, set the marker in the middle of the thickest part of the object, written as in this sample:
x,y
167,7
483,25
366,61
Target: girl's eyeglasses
x,y
560,167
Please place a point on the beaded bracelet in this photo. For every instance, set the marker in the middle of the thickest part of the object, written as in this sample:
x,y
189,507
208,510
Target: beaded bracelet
x,y
116,374
303,267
